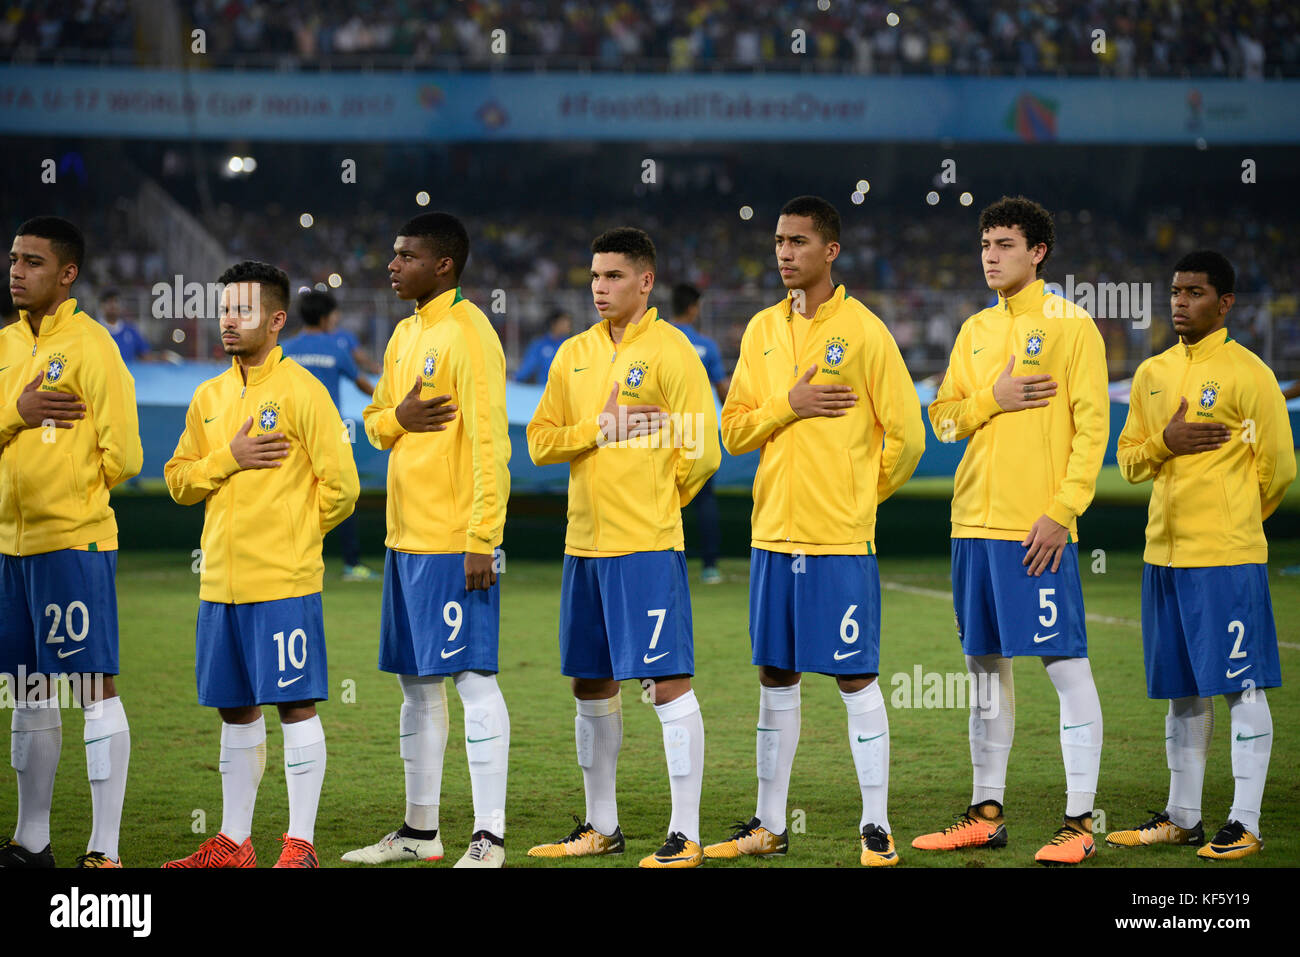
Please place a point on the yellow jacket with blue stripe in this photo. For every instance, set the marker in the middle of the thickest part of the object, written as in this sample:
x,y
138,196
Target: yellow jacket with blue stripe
x,y
262,528
1208,508
1021,465
54,482
447,491
627,496
820,480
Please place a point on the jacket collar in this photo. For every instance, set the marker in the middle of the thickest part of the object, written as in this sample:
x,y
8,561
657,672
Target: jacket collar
x,y
438,306
824,311
1207,346
52,323
634,330
1029,299
259,373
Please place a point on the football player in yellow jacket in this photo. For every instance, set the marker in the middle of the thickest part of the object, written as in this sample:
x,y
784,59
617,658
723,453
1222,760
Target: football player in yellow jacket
x,y
1208,423
68,434
629,407
440,406
821,389
266,453
1027,384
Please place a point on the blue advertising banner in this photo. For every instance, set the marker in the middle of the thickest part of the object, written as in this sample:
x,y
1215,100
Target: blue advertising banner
x,y
338,107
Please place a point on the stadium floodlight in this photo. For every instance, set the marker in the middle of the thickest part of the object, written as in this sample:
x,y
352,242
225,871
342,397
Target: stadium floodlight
x,y
178,336
250,164
335,280
422,198
305,220
892,19
746,212
965,199
862,186
320,287
932,198
857,197
235,164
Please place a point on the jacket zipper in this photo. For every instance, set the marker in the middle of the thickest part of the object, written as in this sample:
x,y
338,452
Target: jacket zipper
x,y
18,543
1169,496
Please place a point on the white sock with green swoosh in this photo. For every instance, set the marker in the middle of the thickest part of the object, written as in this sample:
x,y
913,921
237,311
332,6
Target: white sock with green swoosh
x,y
108,751
487,746
1080,731
869,742
304,772
34,748
779,716
683,728
243,759
1189,726
1252,744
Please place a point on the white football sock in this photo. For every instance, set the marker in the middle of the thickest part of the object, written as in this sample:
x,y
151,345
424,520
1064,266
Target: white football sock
x,y
34,746
1189,726
992,725
779,714
422,742
684,748
108,752
1080,731
304,772
487,745
598,731
1252,744
869,742
243,759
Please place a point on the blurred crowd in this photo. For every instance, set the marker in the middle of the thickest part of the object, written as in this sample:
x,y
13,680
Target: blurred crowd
x,y
1243,38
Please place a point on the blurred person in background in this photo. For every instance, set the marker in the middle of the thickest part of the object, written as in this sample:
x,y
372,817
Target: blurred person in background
x,y
540,352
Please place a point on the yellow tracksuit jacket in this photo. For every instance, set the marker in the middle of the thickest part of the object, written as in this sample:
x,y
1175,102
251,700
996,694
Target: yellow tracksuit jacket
x,y
1021,465
447,491
627,497
819,480
1207,508
262,528
54,494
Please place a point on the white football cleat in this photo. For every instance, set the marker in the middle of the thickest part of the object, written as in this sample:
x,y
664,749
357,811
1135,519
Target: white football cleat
x,y
392,848
483,852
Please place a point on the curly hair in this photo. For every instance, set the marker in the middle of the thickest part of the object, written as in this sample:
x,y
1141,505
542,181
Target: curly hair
x,y
1026,215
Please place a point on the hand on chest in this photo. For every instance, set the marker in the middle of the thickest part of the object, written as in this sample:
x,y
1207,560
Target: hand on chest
x,y
1039,348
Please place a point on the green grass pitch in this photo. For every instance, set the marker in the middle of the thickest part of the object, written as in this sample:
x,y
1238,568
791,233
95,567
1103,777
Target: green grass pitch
x,y
174,780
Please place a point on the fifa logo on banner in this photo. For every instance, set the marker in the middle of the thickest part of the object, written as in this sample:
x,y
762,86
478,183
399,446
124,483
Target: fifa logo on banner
x,y
1103,300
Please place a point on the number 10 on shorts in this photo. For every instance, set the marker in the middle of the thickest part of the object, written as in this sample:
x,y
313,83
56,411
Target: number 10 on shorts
x,y
295,648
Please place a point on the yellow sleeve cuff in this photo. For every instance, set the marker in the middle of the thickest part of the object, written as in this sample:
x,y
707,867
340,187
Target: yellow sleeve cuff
x,y
477,546
986,405
1155,449
782,411
1060,514
10,419
223,463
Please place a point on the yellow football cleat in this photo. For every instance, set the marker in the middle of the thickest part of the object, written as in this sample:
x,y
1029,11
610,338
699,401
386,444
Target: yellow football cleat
x,y
980,825
583,841
751,838
1071,844
676,852
1232,842
94,859
1158,830
877,847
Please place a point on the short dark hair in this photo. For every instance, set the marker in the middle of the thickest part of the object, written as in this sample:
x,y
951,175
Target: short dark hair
x,y
556,316
108,294
445,233
633,243
65,239
1215,265
824,216
269,278
1032,219
314,306
684,296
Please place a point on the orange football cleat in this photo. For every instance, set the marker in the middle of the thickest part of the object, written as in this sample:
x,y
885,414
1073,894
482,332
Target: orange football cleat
x,y
980,825
220,851
1071,844
297,853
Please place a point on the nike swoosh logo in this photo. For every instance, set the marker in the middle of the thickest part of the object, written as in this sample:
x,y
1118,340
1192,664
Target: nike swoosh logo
x,y
206,421
69,654
480,740
1039,641
768,350
648,660
284,684
1231,674
1071,727
107,736
841,657
2,368
1156,391
299,764
581,369
1240,736
872,738
408,734
978,351
454,653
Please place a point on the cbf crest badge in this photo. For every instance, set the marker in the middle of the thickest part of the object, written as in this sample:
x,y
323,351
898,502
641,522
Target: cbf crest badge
x,y
430,365
268,416
835,349
57,366
1034,343
636,374
1209,395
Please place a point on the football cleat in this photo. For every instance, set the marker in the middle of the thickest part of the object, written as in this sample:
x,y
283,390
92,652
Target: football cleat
x,y
877,847
676,852
751,838
358,573
13,854
1071,844
583,841
394,847
296,853
980,825
96,859
219,851
1232,842
711,576
1158,830
483,852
